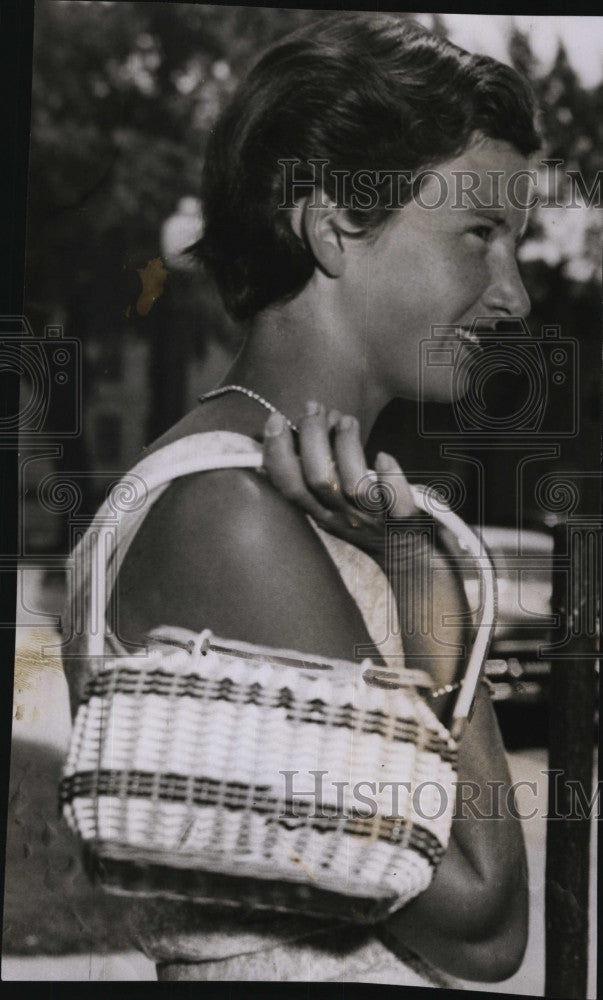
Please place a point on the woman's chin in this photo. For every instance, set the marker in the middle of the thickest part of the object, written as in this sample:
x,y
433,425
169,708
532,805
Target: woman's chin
x,y
449,382
439,388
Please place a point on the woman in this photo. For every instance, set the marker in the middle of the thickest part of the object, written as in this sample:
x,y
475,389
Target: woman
x,y
337,294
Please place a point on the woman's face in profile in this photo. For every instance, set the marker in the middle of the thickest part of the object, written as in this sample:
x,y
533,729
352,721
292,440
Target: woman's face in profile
x,y
441,266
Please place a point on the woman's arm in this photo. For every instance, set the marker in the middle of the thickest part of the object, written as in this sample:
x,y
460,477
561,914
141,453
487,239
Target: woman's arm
x,y
472,921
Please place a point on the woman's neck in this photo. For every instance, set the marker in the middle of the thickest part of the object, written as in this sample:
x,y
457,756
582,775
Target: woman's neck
x,y
289,361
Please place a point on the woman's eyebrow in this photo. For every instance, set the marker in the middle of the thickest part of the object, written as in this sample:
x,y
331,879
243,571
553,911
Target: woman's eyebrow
x,y
495,215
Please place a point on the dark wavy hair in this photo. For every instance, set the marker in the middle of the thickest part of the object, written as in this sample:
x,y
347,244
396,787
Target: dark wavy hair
x,y
363,92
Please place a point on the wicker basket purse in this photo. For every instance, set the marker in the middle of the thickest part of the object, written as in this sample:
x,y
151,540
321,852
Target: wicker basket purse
x,y
237,775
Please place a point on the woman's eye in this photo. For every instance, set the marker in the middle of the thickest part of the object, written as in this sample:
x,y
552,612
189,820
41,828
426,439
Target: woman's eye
x,y
482,232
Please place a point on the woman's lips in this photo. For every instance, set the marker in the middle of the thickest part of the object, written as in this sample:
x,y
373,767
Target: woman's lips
x,y
468,336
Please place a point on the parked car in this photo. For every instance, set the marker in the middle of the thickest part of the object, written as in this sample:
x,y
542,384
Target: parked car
x,y
517,663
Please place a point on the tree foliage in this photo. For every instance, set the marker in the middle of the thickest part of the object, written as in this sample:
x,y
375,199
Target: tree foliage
x,y
124,96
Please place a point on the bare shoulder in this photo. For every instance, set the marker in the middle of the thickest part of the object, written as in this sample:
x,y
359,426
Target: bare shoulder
x,y
223,510
224,550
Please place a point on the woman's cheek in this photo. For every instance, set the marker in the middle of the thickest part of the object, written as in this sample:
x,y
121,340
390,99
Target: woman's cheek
x,y
474,269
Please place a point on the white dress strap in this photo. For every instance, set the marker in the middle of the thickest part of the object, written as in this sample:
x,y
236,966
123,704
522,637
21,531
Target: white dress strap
x,y
194,453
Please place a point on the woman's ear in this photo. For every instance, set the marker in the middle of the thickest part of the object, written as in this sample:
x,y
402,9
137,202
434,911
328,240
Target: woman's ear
x,y
322,227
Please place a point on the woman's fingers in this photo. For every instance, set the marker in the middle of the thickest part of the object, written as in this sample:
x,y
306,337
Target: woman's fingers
x,y
318,463
333,418
284,467
351,461
397,493
385,492
329,478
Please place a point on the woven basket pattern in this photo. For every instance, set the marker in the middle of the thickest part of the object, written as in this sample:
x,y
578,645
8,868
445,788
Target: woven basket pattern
x,y
200,760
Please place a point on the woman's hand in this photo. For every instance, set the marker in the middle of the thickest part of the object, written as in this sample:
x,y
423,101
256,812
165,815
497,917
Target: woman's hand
x,y
329,478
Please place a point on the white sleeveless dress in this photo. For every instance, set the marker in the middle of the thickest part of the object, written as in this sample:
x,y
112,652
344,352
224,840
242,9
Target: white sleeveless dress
x,y
242,945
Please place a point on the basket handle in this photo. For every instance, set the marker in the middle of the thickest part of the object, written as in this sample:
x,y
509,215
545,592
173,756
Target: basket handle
x,y
185,459
470,542
97,549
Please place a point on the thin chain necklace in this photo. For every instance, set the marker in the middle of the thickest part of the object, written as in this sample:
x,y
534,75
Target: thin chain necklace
x,y
251,394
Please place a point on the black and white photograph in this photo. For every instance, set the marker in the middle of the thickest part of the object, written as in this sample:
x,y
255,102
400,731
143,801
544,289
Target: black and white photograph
x,y
308,548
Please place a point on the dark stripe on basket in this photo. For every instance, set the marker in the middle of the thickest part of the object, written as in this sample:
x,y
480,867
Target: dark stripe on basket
x,y
134,683
225,892
234,795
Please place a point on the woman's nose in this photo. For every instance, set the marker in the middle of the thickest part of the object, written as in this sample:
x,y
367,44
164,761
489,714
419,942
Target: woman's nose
x,y
507,291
